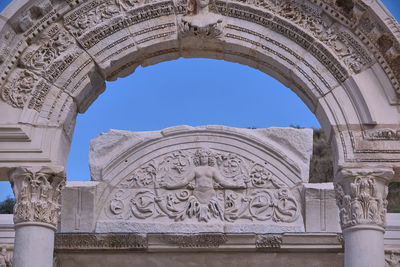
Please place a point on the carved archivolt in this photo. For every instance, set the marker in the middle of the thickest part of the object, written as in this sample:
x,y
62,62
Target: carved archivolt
x,y
329,22
202,185
56,55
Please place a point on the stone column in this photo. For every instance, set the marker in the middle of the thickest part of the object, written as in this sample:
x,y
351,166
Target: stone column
x,y
361,197
36,213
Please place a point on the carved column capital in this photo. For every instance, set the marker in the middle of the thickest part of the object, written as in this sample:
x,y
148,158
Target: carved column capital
x,y
37,192
361,196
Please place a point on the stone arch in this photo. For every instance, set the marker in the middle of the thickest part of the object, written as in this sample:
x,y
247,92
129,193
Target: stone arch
x,y
340,57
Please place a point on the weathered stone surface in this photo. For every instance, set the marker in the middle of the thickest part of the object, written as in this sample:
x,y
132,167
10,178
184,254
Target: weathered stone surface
x,y
341,57
321,211
201,179
78,207
212,259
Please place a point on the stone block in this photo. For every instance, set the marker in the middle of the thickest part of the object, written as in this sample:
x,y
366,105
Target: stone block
x,y
321,212
201,179
78,204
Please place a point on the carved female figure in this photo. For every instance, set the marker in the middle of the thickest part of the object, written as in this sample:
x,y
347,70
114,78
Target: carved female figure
x,y
203,202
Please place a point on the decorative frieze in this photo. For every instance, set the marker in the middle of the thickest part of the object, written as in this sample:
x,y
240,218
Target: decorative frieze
x,y
203,184
100,241
5,256
392,258
107,242
195,241
361,197
382,134
37,194
51,55
269,241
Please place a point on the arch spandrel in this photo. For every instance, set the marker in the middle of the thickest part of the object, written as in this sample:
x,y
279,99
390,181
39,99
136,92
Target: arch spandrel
x,y
321,50
146,180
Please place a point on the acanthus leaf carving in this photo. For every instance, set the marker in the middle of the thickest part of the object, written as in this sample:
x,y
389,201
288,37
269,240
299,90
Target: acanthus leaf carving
x,y
360,200
37,195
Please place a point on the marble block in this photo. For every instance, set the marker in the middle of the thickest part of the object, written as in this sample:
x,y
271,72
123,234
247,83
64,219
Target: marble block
x,y
201,179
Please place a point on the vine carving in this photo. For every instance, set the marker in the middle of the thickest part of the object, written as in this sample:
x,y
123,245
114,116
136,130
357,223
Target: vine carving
x,y
203,185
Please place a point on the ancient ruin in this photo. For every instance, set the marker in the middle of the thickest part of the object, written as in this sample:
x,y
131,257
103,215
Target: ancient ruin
x,y
341,58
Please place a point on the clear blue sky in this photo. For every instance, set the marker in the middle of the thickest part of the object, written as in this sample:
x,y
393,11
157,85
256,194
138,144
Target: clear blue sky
x,y
186,91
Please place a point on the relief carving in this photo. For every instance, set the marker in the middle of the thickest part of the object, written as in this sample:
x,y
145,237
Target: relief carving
x,y
392,258
99,241
17,91
342,43
195,241
97,12
268,241
203,185
384,45
201,20
5,257
51,54
382,134
37,195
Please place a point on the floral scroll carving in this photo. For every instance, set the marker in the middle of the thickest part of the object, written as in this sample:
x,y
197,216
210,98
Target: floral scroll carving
x,y
98,12
19,89
341,42
51,53
203,185
37,195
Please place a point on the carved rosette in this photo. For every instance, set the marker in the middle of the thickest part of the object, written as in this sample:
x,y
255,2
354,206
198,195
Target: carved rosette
x,y
361,197
37,194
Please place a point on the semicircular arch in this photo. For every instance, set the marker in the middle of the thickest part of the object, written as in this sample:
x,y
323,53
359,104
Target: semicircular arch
x,y
341,61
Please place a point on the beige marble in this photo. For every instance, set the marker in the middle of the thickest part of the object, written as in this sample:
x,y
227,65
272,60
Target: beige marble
x,y
340,57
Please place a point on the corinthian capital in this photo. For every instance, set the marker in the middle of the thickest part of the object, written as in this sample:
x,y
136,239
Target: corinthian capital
x,y
361,196
37,192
